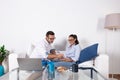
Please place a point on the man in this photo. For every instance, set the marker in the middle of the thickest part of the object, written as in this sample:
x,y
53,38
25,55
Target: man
x,y
44,46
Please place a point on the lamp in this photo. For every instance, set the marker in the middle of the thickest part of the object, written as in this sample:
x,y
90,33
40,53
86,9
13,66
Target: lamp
x,y
112,21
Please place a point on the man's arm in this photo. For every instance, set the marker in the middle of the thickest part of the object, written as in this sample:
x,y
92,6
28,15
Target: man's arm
x,y
52,56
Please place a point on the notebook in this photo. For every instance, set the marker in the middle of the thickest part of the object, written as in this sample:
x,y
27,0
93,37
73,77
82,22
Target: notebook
x,y
30,64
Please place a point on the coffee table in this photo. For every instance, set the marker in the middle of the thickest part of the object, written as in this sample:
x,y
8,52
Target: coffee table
x,y
84,73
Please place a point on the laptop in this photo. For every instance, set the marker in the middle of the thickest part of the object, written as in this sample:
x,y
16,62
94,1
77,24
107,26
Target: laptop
x,y
30,64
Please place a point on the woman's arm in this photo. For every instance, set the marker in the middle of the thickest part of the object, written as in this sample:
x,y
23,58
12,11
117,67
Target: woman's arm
x,y
77,53
52,56
67,59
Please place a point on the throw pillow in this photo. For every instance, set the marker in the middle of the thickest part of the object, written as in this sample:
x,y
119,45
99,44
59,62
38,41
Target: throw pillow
x,y
88,53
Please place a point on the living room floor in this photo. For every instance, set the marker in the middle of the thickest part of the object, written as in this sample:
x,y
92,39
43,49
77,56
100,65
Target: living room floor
x,y
115,76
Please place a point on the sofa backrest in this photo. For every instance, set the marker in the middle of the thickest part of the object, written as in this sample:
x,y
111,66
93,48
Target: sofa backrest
x,y
30,49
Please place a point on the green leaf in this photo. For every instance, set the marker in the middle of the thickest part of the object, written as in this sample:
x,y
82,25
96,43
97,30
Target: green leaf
x,y
3,53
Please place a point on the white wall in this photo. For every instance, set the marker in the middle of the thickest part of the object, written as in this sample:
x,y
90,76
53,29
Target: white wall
x,y
23,21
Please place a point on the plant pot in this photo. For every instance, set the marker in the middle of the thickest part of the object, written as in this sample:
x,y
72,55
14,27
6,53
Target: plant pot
x,y
1,69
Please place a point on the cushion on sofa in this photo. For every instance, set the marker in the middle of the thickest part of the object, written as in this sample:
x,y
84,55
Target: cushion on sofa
x,y
88,53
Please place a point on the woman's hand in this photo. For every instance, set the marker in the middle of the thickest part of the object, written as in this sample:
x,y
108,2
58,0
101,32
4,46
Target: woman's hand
x,y
66,59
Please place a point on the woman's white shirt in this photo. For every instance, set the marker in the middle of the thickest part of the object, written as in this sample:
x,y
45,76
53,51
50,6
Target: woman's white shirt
x,y
73,52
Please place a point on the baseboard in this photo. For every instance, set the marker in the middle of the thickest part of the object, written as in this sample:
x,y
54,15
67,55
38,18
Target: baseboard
x,y
116,76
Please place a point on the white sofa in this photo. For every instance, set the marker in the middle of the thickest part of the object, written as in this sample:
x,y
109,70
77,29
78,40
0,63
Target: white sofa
x,y
101,63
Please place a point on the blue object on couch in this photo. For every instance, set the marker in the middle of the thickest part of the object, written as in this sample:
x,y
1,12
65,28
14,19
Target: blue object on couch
x,y
1,70
88,53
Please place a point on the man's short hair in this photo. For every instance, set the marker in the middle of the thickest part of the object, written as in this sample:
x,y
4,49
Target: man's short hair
x,y
50,33
52,50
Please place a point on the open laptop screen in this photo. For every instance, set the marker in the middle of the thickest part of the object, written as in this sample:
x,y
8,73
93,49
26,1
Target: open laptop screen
x,y
30,64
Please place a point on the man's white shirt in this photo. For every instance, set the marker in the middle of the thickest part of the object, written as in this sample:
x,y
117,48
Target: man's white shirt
x,y
41,49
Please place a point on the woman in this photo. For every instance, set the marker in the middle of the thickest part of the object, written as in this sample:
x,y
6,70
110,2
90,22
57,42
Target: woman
x,y
72,50
72,53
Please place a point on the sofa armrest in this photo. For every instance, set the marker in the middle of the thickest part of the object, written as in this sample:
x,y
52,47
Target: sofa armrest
x,y
13,60
102,64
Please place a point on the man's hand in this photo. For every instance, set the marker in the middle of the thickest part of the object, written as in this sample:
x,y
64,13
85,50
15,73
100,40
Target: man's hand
x,y
60,56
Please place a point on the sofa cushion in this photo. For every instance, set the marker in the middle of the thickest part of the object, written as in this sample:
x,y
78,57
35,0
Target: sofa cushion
x,y
88,53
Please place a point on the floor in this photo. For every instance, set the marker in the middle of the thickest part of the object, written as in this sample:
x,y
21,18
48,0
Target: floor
x,y
115,76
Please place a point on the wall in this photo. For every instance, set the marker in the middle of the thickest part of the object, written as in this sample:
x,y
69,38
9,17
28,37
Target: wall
x,y
25,21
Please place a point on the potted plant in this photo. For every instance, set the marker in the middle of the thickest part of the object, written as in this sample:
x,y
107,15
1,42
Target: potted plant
x,y
3,54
